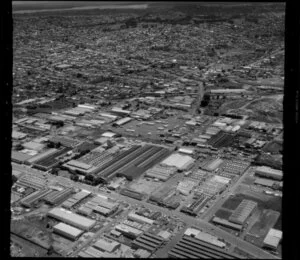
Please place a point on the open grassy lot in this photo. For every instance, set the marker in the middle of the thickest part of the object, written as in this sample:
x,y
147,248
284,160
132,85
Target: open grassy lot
x,y
248,180
263,201
233,202
259,230
278,224
223,213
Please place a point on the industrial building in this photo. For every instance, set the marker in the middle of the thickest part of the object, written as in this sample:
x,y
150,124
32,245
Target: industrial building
x,y
264,182
212,186
92,252
226,223
128,231
67,231
141,253
91,162
106,245
137,158
273,239
140,219
122,121
190,247
57,196
185,187
65,141
184,150
192,232
148,242
100,205
132,194
213,164
71,218
32,181
75,199
181,162
196,205
49,161
268,172
20,157
243,211
161,172
35,198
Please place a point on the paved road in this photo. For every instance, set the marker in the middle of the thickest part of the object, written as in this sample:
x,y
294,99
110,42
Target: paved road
x,y
190,221
208,214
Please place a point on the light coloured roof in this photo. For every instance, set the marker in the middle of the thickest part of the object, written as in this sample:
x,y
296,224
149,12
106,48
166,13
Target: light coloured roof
x,y
269,170
78,164
108,134
70,217
273,238
68,229
128,229
33,146
106,245
141,218
20,156
178,160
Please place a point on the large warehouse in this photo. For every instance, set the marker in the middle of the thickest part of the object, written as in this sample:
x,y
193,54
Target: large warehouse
x,y
268,172
100,205
243,211
181,162
138,158
72,218
128,231
67,231
273,238
190,247
226,223
140,219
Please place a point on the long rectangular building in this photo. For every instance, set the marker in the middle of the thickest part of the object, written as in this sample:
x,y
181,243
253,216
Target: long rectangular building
x,y
226,223
243,211
71,218
148,242
140,219
189,247
142,157
128,231
67,231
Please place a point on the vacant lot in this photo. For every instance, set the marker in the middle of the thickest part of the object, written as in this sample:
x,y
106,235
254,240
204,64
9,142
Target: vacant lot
x,y
259,230
233,202
144,186
263,201
223,213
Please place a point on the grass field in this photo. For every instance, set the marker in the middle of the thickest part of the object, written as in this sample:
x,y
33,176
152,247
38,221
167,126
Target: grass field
x,y
248,180
223,213
278,224
233,202
261,227
270,202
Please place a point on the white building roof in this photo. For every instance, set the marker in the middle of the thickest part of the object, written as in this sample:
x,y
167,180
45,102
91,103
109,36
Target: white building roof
x,y
186,150
178,160
71,218
273,238
108,134
68,229
269,170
